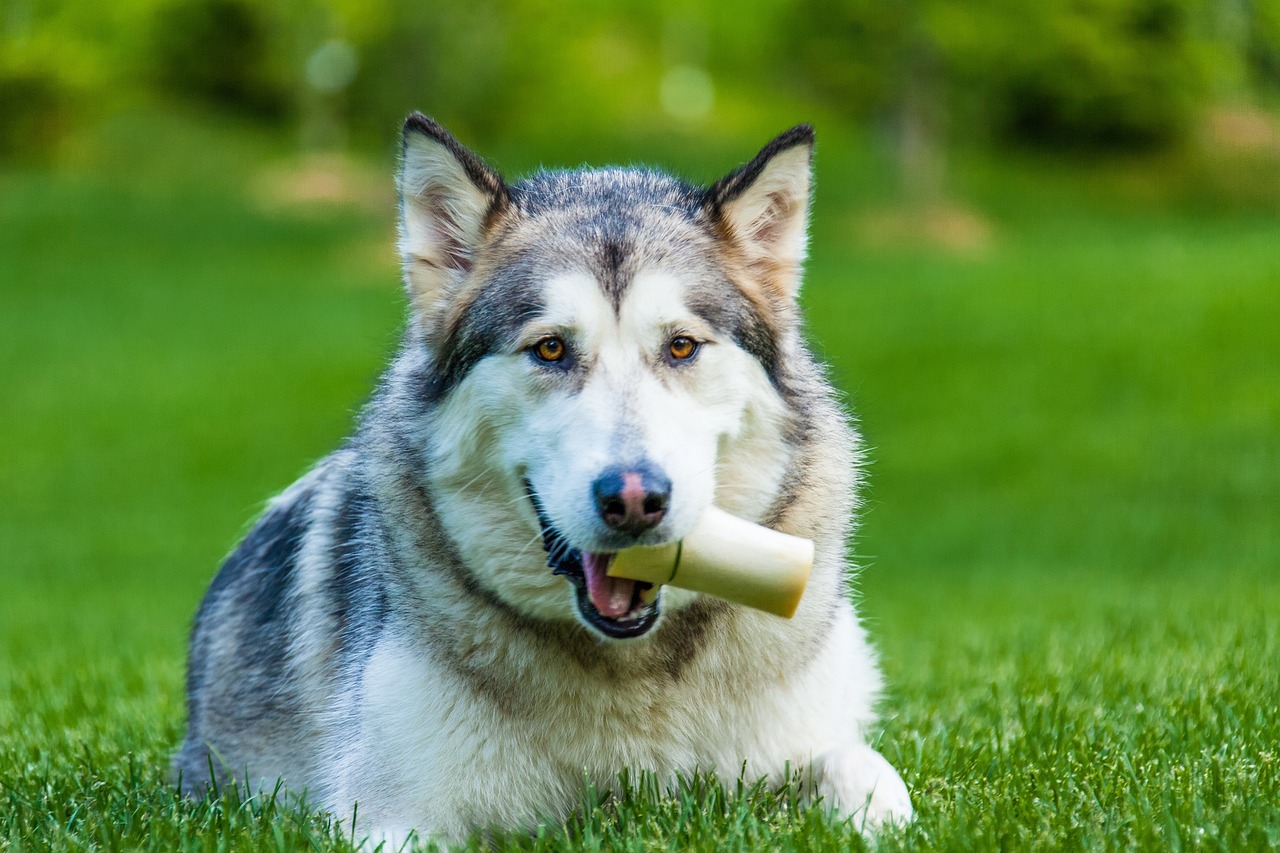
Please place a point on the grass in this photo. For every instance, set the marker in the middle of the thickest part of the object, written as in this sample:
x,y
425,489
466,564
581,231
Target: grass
x,y
1070,540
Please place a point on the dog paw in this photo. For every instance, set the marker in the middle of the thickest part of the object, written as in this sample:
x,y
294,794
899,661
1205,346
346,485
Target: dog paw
x,y
390,840
857,782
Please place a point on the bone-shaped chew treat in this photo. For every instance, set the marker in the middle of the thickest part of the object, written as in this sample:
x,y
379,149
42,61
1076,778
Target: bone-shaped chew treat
x,y
728,557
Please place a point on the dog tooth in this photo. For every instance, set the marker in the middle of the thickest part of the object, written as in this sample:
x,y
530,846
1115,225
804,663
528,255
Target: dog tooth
x,y
650,595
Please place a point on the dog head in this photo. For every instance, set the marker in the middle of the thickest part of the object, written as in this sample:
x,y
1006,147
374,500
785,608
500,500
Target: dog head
x,y
605,356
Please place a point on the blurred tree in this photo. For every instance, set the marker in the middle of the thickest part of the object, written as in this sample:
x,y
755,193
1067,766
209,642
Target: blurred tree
x,y
1085,72
1099,73
1063,73
879,59
449,59
1262,43
227,53
53,65
34,110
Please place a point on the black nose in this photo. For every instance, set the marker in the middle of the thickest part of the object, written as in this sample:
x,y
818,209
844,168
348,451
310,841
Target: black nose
x,y
632,499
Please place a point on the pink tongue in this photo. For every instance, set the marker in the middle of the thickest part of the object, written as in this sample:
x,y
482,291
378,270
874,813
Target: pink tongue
x,y
611,596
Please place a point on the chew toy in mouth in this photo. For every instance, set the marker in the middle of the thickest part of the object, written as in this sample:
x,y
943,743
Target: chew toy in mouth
x,y
617,607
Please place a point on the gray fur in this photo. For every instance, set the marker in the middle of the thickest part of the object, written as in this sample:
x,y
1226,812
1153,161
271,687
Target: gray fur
x,y
355,558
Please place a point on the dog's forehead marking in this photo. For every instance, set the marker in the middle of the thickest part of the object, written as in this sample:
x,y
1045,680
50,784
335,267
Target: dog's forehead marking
x,y
655,299
577,300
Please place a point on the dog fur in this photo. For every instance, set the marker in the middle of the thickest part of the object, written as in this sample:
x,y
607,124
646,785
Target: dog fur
x,y
390,634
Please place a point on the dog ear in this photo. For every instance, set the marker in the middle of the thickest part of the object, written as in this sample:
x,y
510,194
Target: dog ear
x,y
764,207
448,197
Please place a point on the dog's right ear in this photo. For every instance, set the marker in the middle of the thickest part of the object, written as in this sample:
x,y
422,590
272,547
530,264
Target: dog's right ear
x,y
764,207
448,197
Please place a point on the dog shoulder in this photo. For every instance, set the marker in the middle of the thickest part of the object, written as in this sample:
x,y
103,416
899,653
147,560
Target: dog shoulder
x,y
255,667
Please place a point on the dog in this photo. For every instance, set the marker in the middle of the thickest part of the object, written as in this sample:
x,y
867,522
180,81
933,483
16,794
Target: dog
x,y
423,629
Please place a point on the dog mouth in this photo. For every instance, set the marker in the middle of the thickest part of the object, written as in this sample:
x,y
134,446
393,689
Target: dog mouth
x,y
616,607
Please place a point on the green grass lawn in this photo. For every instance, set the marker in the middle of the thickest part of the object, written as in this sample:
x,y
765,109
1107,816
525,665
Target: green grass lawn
x,y
1071,549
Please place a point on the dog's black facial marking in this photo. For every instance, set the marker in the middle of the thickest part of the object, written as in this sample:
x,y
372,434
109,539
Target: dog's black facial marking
x,y
726,309
612,255
491,322
611,265
563,559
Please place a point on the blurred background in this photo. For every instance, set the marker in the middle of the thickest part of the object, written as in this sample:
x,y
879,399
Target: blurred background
x,y
1045,270
1088,76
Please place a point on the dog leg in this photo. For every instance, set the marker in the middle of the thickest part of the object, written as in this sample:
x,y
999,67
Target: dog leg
x,y
856,781
391,840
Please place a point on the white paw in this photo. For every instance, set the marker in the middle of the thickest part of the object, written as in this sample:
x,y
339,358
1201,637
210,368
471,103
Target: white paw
x,y
388,840
857,782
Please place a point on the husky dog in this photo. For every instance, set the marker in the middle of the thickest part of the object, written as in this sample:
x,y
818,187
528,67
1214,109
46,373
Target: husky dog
x,y
423,625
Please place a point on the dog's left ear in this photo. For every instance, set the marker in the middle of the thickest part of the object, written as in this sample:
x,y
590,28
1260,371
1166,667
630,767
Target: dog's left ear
x,y
764,207
448,198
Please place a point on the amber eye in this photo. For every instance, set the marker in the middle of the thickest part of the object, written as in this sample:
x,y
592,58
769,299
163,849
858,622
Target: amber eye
x,y
549,349
682,347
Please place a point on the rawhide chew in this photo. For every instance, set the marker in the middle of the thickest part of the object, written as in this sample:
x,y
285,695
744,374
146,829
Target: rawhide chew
x,y
728,557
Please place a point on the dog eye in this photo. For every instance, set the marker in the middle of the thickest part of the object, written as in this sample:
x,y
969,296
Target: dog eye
x,y
550,349
682,347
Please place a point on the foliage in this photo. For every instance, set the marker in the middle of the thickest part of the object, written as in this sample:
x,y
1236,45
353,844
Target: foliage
x,y
1261,36
1095,72
34,113
1102,73
1059,72
220,52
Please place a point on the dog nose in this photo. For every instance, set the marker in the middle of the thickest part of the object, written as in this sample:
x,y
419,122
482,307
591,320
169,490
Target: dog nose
x,y
633,499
